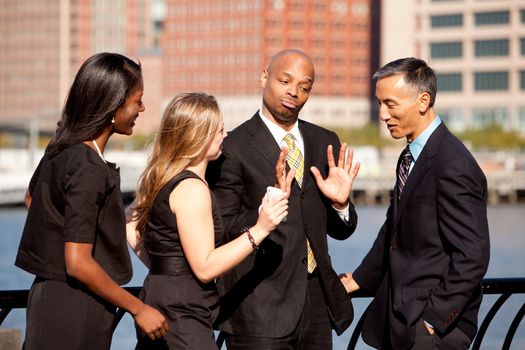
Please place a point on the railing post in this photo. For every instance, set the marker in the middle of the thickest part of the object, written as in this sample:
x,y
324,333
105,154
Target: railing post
x,y
488,319
513,327
10,339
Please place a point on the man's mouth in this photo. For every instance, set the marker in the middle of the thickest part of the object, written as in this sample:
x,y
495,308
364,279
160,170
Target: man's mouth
x,y
289,104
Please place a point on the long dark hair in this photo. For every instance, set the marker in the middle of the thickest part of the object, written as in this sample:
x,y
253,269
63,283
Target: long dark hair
x,y
100,88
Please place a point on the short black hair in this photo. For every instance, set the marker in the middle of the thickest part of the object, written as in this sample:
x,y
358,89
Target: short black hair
x,y
418,75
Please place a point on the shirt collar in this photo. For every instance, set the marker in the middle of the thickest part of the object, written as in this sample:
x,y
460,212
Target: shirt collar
x,y
416,146
279,133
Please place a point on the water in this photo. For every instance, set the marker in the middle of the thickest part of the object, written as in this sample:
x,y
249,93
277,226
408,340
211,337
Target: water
x,y
507,260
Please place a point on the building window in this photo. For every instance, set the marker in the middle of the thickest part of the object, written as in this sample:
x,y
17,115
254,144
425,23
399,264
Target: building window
x,y
296,24
522,16
522,80
449,82
297,6
446,50
275,23
453,117
483,117
490,81
317,42
337,60
295,41
339,25
484,48
319,6
521,119
522,44
446,21
490,18
319,24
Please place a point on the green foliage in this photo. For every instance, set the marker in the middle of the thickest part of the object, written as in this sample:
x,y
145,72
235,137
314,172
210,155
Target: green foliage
x,y
141,141
369,135
489,138
133,142
492,138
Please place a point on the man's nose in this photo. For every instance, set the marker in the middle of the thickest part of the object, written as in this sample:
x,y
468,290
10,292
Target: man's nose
x,y
384,115
292,90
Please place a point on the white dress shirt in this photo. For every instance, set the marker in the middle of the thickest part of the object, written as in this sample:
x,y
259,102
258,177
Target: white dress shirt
x,y
279,133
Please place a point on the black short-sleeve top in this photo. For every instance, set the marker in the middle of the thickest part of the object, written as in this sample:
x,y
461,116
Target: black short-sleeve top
x,y
162,235
75,198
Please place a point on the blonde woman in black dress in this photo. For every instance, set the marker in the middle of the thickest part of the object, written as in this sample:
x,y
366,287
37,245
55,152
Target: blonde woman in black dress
x,y
179,224
74,238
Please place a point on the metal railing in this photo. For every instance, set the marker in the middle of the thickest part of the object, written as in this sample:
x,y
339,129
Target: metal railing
x,y
504,287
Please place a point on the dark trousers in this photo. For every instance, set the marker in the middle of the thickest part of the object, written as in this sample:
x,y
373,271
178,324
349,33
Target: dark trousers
x,y
455,340
312,332
65,316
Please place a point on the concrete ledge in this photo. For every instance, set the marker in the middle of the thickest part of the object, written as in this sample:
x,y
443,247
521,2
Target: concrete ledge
x,y
10,339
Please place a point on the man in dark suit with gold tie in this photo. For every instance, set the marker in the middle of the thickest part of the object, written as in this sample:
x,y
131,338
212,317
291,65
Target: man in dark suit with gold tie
x,y
286,295
426,265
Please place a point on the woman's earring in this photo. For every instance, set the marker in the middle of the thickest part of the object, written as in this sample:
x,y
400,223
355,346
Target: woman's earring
x,y
113,120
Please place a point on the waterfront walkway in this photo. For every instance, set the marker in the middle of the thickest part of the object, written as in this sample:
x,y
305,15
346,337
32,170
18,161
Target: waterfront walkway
x,y
505,175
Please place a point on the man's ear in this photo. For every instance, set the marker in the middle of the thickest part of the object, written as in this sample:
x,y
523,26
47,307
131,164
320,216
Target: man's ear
x,y
264,78
424,102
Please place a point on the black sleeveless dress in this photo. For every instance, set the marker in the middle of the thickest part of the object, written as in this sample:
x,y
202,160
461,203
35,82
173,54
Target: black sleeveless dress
x,y
189,305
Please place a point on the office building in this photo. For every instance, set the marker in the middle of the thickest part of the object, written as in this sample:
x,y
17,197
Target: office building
x,y
477,49
44,42
222,46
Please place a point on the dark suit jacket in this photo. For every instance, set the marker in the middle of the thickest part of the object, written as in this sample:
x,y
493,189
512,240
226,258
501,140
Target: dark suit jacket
x,y
430,256
265,294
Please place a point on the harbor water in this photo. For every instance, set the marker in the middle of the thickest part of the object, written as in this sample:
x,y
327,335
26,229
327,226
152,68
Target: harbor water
x,y
507,230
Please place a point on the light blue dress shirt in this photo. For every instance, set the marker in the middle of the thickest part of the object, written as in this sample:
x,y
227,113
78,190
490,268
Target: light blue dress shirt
x,y
416,146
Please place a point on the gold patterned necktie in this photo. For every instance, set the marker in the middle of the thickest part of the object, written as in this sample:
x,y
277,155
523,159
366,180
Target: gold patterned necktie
x,y
295,161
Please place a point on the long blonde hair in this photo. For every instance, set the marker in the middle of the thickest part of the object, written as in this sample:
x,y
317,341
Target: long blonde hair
x,y
186,131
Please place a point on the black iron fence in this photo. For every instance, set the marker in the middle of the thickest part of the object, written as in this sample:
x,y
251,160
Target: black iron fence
x,y
504,287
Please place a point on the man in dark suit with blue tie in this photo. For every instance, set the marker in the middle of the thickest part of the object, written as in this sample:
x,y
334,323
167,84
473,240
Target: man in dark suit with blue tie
x,y
426,265
286,294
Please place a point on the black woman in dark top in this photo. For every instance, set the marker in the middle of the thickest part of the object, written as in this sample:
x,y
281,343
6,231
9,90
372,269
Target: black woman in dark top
x,y
178,224
74,238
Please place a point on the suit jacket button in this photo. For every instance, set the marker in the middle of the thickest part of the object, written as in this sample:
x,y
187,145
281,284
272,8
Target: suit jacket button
x,y
305,227
304,261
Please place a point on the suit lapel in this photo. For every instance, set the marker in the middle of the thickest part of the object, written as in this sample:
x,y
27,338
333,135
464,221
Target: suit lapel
x,y
422,166
418,172
262,140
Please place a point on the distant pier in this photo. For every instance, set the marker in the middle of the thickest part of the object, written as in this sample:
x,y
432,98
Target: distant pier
x,y
503,187
370,188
